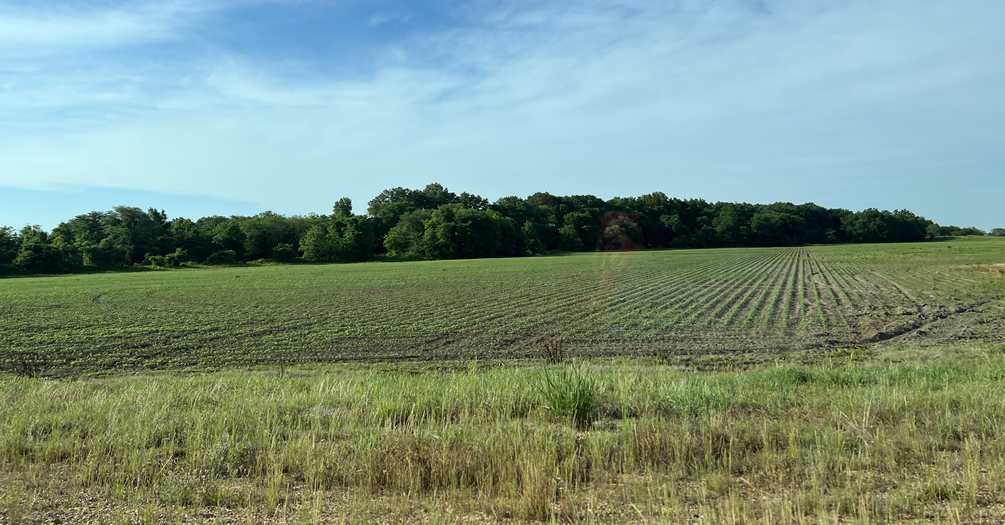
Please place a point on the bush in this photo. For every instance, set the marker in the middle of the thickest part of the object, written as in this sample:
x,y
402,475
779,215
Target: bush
x,y
175,259
571,395
222,257
154,260
284,253
171,260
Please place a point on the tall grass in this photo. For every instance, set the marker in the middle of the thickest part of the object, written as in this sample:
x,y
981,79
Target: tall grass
x,y
787,443
571,394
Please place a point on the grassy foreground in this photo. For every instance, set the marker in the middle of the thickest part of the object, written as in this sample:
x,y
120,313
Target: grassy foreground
x,y
897,438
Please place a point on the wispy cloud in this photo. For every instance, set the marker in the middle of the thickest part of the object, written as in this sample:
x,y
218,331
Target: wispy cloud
x,y
717,98
378,19
33,29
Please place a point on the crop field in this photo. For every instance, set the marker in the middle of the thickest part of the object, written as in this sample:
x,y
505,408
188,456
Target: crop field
x,y
664,303
868,388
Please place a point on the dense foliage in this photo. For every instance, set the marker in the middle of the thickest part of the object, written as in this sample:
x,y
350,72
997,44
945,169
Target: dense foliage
x,y
436,223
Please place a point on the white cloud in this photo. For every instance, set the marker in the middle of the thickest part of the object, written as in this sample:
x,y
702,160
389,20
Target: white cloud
x,y
32,29
387,17
717,99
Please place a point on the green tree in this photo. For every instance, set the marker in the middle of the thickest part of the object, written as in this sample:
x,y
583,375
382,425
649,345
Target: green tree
x,y
284,253
388,207
318,245
455,232
228,236
222,258
136,232
474,202
539,210
865,227
772,228
339,239
586,224
39,253
188,236
933,230
9,245
407,238
103,255
531,239
568,239
732,225
265,230
342,208
358,239
89,227
675,227
512,241
971,230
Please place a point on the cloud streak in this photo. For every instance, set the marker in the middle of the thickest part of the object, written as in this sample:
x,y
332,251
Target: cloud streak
x,y
38,29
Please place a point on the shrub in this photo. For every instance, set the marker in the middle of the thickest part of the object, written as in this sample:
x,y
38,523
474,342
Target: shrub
x,y
553,350
171,260
154,260
284,253
571,395
175,259
222,257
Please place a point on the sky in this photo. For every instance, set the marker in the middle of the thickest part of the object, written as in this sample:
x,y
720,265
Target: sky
x,y
224,107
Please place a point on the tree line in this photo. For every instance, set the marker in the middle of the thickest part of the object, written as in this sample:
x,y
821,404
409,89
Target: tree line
x,y
435,223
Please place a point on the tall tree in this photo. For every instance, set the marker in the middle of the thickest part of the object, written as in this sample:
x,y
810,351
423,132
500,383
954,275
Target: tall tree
x,y
136,232
342,208
407,238
41,253
455,232
228,236
773,228
339,239
9,245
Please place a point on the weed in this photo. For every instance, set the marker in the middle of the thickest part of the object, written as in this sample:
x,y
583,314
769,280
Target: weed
x,y
30,367
180,490
553,350
695,397
12,506
570,394
664,355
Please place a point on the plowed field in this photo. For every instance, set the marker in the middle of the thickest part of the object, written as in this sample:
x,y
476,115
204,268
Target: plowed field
x,y
677,302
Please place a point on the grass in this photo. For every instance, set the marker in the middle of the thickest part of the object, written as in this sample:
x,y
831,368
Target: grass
x,y
696,301
881,402
853,440
570,394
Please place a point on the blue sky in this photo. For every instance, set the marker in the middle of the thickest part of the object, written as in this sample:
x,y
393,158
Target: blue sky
x,y
204,107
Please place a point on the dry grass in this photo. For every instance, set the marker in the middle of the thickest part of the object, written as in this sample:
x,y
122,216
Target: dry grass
x,y
856,442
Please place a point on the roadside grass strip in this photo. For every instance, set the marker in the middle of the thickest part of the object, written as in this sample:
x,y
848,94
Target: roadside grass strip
x,y
591,441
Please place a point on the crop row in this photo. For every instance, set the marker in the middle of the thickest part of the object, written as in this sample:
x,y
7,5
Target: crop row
x,y
605,302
